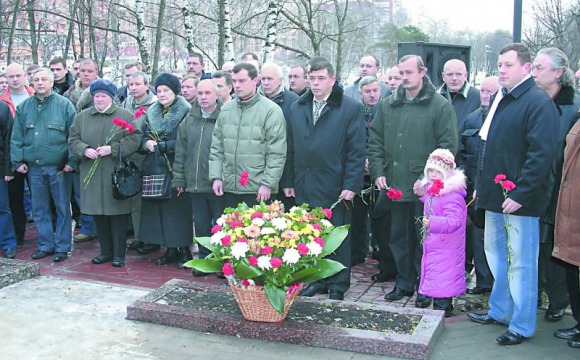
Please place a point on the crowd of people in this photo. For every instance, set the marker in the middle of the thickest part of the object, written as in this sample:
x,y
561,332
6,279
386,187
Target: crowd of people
x,y
450,151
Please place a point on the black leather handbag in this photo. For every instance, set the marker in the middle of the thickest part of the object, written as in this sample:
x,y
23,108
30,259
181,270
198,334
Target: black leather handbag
x,y
126,178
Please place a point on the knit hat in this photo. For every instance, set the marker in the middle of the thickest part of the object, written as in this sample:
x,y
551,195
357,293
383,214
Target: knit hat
x,y
103,86
169,80
441,160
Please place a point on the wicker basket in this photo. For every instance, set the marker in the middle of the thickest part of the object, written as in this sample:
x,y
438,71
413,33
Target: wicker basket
x,y
255,305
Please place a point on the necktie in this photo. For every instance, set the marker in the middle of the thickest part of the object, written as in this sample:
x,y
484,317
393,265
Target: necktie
x,y
318,106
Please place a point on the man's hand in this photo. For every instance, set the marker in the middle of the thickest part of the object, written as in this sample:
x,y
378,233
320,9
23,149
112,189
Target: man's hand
x,y
150,144
91,153
23,169
263,193
509,206
381,182
367,170
289,192
218,187
8,178
418,189
474,194
179,189
104,150
347,195
67,168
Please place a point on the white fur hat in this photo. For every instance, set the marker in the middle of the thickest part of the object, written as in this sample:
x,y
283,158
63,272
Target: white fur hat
x,y
441,160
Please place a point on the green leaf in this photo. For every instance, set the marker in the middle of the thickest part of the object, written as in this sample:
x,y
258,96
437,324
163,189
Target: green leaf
x,y
299,275
205,242
276,297
334,240
244,271
326,269
204,265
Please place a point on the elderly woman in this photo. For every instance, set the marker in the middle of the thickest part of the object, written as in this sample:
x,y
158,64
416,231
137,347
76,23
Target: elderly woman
x,y
166,222
87,141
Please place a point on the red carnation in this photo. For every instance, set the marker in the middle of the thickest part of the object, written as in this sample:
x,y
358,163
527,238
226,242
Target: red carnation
x,y
140,112
302,249
228,270
328,213
253,260
267,250
394,194
236,223
257,215
244,178
242,240
508,185
319,241
246,282
215,229
226,240
276,262
130,128
499,178
436,187
316,226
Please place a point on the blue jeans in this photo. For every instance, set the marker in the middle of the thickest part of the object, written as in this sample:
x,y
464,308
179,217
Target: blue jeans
x,y
46,182
513,299
88,226
7,235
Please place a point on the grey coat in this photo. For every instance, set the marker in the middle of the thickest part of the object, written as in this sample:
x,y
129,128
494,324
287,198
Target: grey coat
x,y
90,129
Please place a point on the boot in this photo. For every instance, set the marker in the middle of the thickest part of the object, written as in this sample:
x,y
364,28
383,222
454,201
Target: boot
x,y
169,257
184,256
146,249
445,304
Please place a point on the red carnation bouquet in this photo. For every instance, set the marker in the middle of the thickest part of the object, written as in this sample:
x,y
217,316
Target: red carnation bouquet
x,y
506,187
120,125
433,190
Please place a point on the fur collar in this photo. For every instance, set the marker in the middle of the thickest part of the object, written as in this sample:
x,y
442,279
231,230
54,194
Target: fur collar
x,y
454,183
165,125
399,97
565,96
334,100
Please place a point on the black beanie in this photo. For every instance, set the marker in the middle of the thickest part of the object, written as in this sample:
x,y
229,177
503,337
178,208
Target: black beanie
x,y
169,80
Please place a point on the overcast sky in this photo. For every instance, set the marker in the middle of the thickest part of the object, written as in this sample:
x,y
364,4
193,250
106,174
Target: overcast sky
x,y
478,15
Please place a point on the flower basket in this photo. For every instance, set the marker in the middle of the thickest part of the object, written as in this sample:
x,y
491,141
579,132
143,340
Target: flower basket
x,y
255,305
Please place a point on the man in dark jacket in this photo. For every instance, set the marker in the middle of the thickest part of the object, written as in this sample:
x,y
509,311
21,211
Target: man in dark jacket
x,y
63,79
39,148
7,235
326,158
190,169
470,141
409,125
520,139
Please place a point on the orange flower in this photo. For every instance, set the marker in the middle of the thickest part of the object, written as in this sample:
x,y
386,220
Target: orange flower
x,y
252,231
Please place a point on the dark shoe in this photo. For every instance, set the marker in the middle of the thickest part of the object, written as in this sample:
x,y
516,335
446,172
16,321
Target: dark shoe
x,y
118,262
397,294
198,273
41,254
59,256
510,338
574,342
356,262
375,254
135,245
170,256
383,277
482,318
554,314
336,295
313,290
82,238
147,249
423,301
184,256
101,259
10,253
478,290
566,333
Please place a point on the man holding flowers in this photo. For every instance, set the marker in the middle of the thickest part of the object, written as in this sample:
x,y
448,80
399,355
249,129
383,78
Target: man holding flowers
x,y
519,142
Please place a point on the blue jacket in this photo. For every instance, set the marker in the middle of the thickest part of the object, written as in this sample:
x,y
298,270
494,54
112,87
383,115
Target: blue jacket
x,y
522,144
328,157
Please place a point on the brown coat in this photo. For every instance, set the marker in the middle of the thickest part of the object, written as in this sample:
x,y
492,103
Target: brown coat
x,y
567,230
90,129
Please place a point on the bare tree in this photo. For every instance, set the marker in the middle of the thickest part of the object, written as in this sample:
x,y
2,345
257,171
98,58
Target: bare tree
x,y
270,45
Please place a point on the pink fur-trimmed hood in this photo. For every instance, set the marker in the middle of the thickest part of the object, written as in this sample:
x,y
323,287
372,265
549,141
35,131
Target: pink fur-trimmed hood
x,y
456,182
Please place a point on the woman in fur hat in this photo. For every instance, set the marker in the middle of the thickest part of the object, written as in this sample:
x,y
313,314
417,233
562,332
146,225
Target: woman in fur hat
x,y
444,220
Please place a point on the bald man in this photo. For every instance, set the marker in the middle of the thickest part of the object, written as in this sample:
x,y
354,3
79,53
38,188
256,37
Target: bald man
x,y
468,162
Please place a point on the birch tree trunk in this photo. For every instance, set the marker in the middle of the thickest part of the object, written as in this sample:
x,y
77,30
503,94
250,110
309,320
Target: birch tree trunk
x,y
188,24
32,27
270,45
71,27
12,31
142,34
158,36
228,40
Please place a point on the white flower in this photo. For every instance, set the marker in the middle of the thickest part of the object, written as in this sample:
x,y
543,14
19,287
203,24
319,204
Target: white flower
x,y
216,239
314,249
325,223
297,209
240,249
264,262
280,224
291,256
258,221
267,231
221,221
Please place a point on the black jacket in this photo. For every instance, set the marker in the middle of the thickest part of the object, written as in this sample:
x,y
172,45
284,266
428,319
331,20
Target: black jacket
x,y
328,157
521,144
61,88
6,122
469,147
